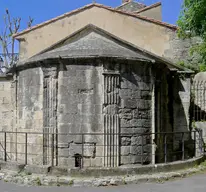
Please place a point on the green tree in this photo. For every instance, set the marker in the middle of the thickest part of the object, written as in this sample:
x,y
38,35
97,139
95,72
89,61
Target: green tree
x,y
192,23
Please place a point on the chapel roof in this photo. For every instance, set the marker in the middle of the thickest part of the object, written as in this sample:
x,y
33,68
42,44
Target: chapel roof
x,y
93,42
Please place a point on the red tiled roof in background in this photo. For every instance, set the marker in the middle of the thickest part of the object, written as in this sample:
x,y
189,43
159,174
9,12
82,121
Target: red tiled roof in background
x,y
148,7
141,5
170,26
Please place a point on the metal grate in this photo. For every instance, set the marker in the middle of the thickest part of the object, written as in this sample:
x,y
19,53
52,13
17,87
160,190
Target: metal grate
x,y
198,101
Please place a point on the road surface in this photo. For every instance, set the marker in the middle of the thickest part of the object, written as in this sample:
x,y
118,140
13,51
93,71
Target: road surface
x,y
191,184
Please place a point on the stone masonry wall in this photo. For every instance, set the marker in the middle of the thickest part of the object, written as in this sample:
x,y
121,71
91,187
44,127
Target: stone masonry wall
x,y
131,7
6,113
80,111
179,51
30,115
135,113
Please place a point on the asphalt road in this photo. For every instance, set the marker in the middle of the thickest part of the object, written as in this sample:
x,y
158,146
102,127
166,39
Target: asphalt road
x,y
192,184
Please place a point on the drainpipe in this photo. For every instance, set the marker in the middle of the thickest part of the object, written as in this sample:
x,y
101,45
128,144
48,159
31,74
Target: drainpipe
x,y
153,115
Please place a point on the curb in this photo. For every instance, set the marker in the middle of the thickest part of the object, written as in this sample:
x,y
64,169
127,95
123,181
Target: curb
x,y
45,180
100,172
157,173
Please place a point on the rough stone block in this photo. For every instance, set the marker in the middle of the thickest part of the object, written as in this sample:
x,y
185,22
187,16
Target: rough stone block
x,y
125,150
124,123
125,111
111,109
135,150
92,138
63,152
97,162
63,128
136,94
146,123
125,160
125,141
126,116
91,119
130,131
126,84
144,104
137,140
131,159
86,162
87,149
146,94
99,151
144,86
129,103
125,93
89,109
63,138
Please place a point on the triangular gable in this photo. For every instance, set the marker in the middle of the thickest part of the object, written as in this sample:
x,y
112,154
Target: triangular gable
x,y
167,25
71,42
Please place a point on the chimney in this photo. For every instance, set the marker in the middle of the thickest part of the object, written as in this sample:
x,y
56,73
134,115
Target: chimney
x,y
126,1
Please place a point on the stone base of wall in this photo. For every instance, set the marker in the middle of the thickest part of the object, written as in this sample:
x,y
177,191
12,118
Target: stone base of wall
x,y
102,172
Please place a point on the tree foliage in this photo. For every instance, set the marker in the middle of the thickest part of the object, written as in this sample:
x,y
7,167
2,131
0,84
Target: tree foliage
x,y
192,23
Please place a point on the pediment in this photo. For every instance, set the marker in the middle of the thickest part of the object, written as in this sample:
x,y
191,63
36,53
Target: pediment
x,y
91,42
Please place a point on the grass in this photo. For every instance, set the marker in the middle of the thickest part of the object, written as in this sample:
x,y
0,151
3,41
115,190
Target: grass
x,y
71,182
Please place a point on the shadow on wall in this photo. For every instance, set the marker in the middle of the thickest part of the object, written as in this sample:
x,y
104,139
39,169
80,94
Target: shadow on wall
x,y
182,117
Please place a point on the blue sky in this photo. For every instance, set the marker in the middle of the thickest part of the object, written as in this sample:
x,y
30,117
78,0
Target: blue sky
x,y
42,10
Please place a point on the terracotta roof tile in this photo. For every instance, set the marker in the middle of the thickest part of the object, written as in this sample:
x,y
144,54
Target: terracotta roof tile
x,y
170,26
148,7
141,4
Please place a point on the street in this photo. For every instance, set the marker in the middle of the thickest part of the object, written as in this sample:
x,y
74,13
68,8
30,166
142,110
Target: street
x,y
191,184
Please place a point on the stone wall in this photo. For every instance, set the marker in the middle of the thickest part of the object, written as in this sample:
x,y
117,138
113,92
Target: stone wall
x,y
131,7
154,13
30,115
181,102
80,91
179,51
6,113
135,113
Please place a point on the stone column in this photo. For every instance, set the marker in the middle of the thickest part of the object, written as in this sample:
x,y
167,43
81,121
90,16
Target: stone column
x,y
111,119
49,110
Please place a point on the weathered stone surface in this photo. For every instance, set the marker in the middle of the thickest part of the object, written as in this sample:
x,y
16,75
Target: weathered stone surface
x,y
130,6
137,140
125,150
87,150
134,131
135,150
129,103
111,109
144,104
144,86
122,111
125,141
124,123
144,123
131,159
125,116
125,92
